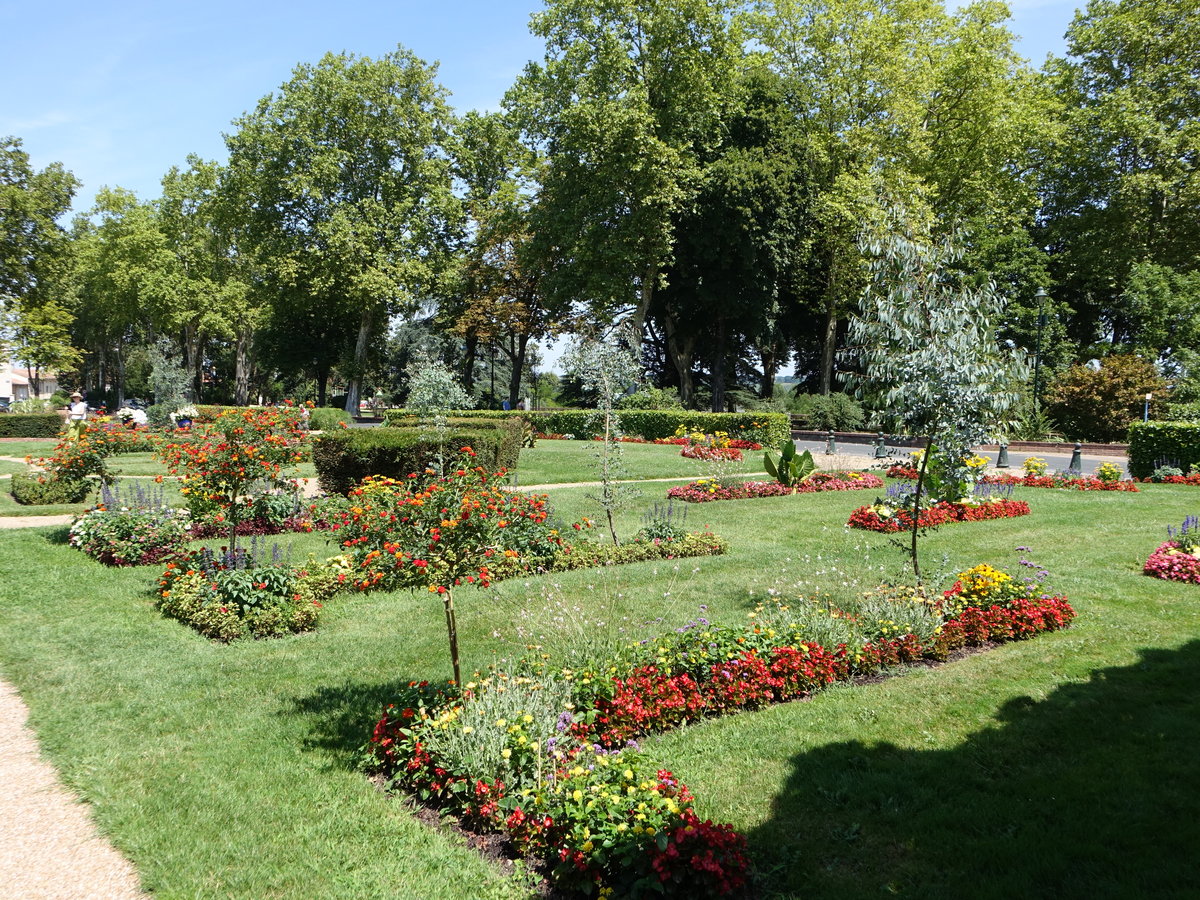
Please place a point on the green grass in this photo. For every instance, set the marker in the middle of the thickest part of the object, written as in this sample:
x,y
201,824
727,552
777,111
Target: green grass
x,y
564,462
1062,766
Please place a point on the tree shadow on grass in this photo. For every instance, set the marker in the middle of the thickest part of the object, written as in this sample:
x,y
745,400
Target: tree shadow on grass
x,y
341,717
1090,793
58,536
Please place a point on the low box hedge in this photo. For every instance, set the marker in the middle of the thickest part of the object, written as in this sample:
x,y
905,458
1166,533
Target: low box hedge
x,y
28,490
30,425
344,458
1152,443
771,428
512,428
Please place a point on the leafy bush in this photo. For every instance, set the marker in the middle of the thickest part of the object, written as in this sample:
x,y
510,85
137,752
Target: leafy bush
x,y
130,536
514,430
237,594
1100,405
830,412
325,419
345,458
38,490
649,397
1152,442
30,425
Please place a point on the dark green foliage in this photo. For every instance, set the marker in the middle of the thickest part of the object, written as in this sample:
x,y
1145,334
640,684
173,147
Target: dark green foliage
x,y
1152,442
325,419
29,491
513,429
830,412
30,425
344,458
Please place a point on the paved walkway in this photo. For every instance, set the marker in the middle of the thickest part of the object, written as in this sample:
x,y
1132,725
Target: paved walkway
x,y
49,846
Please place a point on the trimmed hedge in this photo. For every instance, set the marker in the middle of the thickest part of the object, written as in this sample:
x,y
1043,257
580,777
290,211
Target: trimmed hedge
x,y
1151,442
344,458
324,418
29,491
511,428
652,424
30,425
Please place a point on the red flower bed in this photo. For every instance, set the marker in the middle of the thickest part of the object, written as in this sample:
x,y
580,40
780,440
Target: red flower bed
x,y
1193,480
1079,483
900,470
701,451
1171,563
651,699
697,858
838,481
939,514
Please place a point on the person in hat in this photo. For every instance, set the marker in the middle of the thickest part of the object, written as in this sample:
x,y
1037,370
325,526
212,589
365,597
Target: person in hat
x,y
78,409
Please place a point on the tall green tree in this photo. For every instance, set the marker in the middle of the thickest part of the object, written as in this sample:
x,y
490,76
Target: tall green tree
x,y
903,97
623,106
345,180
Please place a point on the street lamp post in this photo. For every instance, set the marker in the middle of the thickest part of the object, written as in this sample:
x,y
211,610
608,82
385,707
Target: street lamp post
x,y
1040,296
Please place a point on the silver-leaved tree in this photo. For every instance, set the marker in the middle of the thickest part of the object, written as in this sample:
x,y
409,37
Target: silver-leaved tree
x,y
923,349
609,367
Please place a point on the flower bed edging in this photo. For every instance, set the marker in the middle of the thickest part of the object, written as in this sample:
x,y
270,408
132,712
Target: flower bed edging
x,y
940,513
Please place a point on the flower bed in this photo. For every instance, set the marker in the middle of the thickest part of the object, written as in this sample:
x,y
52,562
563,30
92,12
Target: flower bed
x,y
707,490
1065,482
901,470
940,513
239,594
706,453
1172,562
547,759
1193,479
130,536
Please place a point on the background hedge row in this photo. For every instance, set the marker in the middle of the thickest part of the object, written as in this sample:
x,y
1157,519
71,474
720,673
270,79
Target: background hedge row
x,y
344,458
30,425
767,427
1152,444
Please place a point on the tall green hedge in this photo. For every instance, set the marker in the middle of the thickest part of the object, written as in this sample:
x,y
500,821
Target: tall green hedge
x,y
344,458
30,425
1152,442
771,428
510,428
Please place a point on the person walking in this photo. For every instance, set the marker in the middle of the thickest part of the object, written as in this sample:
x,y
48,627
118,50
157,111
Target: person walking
x,y
76,416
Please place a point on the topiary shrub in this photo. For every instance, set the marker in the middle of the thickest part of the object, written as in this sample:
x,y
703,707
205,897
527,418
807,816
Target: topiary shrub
x,y
30,425
344,458
1099,405
34,490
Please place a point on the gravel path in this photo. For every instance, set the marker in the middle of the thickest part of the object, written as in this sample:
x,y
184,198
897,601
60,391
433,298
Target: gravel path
x,y
49,847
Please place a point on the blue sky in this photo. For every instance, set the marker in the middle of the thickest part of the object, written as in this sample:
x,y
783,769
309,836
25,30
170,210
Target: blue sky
x,y
120,92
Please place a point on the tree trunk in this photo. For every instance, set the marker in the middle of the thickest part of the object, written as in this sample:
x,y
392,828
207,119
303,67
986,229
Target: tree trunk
x,y
828,347
452,633
243,364
645,296
770,366
120,375
718,368
518,367
468,375
681,358
354,387
192,345
322,385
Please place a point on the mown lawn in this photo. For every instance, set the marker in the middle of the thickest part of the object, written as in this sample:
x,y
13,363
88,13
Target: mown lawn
x,y
1058,767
